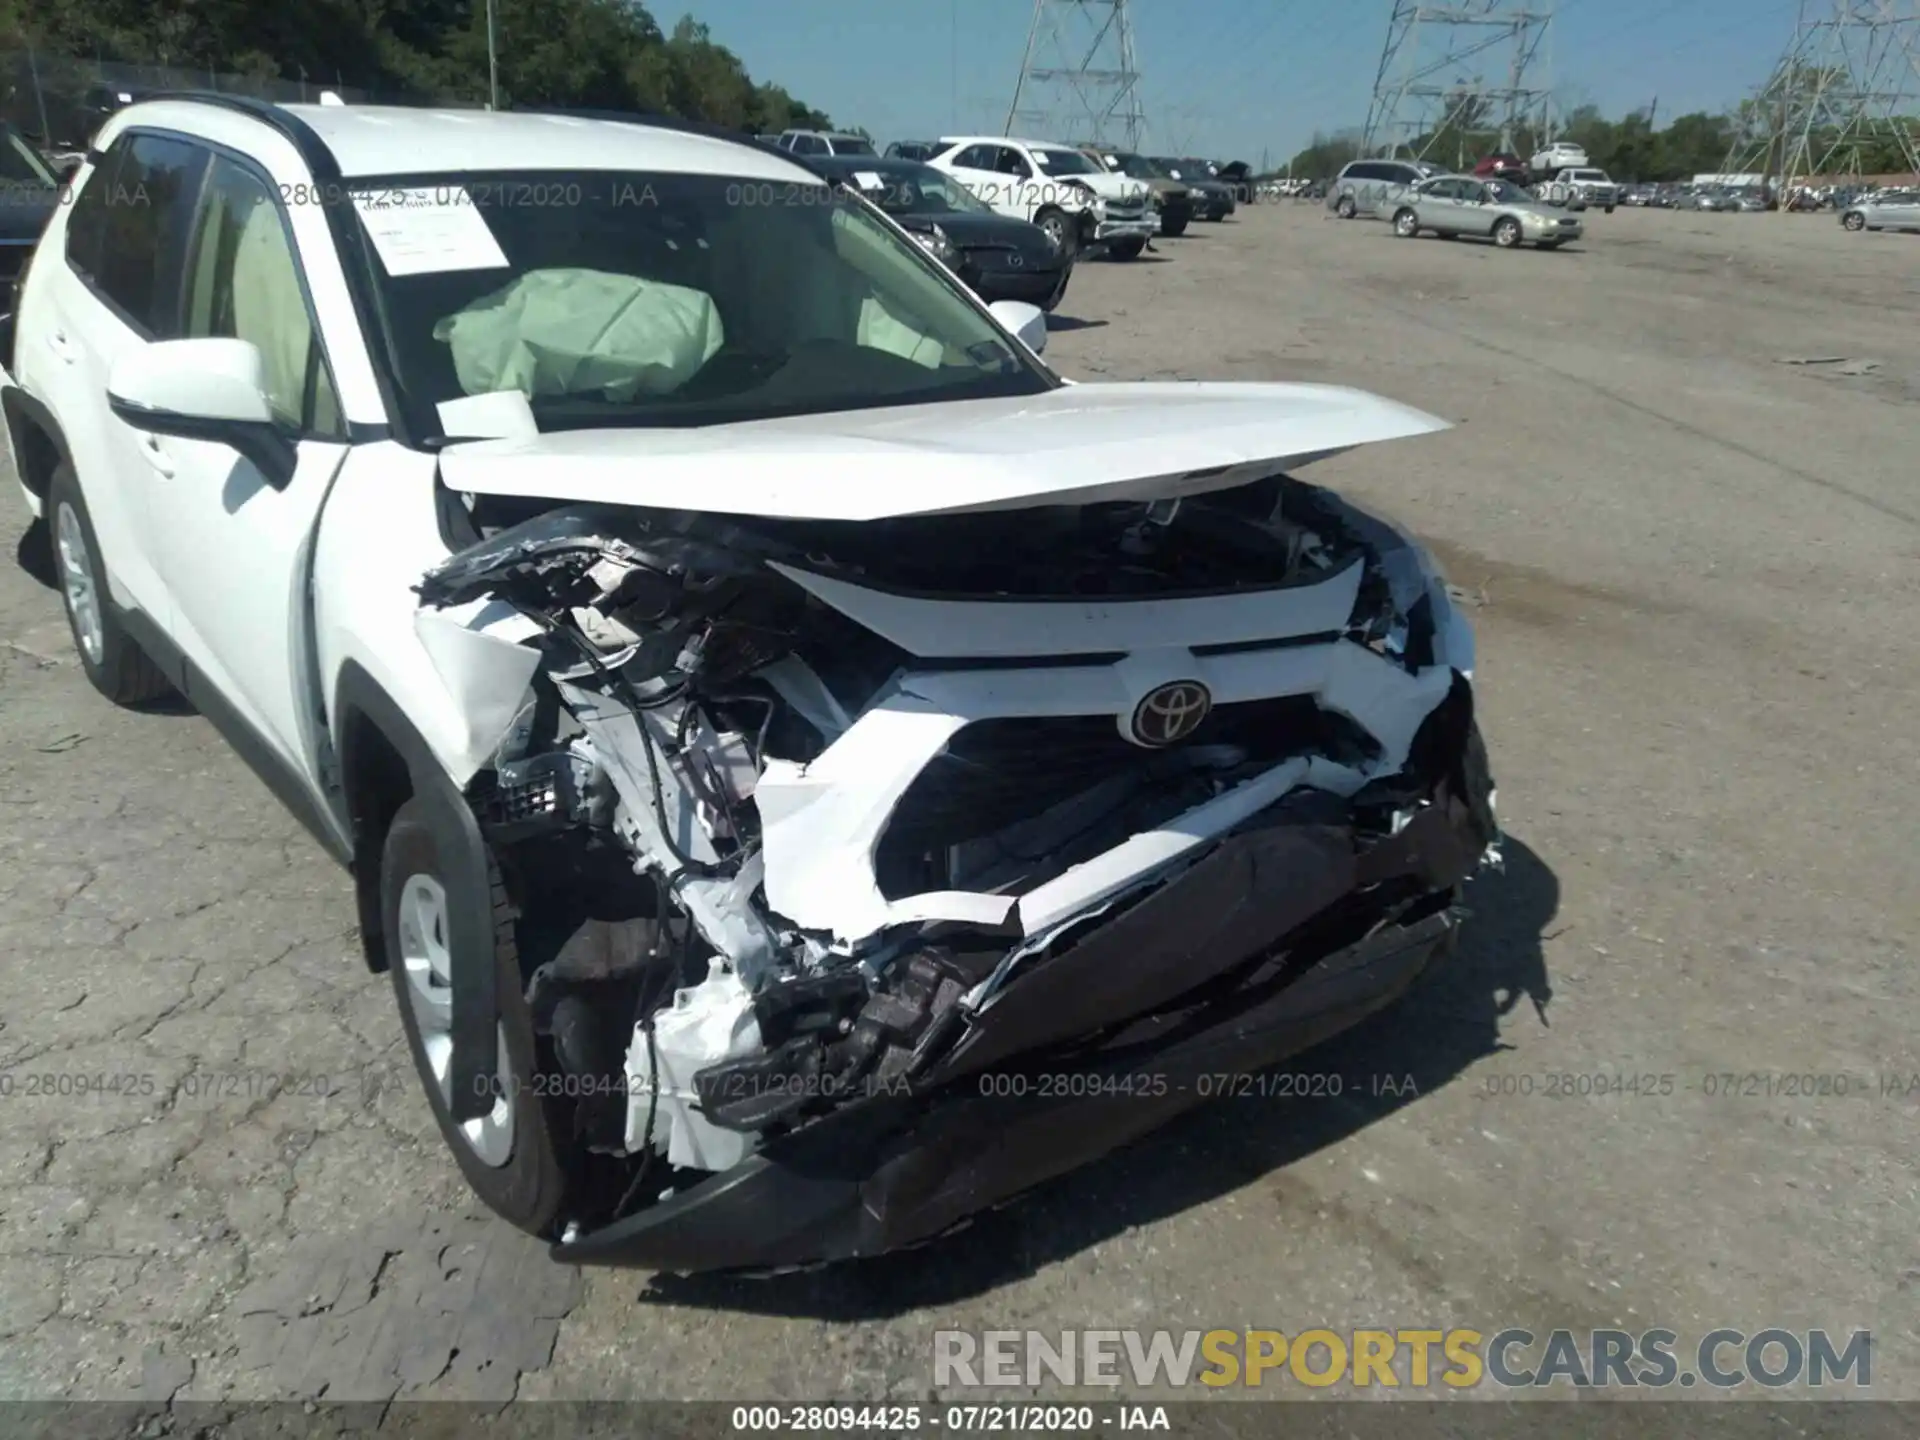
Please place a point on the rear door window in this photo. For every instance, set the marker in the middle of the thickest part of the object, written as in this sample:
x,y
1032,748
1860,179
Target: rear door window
x,y
147,209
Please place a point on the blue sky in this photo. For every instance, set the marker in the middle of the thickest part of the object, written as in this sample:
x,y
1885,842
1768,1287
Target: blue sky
x,y
1228,78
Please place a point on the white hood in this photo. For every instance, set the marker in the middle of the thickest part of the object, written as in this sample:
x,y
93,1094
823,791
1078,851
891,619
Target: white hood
x,y
1111,185
1076,445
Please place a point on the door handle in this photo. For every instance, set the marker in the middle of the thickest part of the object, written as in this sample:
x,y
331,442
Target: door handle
x,y
156,454
61,346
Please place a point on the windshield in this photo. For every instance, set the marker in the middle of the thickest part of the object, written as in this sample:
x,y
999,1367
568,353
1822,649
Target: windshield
x,y
1139,167
916,190
851,145
20,166
1063,162
618,299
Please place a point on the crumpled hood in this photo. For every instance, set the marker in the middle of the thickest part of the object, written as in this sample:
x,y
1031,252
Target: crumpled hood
x,y
1076,445
1112,186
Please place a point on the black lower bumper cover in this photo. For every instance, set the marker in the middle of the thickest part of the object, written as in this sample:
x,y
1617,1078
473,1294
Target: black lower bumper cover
x,y
1285,934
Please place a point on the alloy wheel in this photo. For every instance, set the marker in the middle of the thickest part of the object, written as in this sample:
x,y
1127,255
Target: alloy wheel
x,y
78,584
429,991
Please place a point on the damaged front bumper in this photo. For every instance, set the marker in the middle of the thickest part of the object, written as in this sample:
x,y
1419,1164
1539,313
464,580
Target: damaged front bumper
x,y
1286,932
991,835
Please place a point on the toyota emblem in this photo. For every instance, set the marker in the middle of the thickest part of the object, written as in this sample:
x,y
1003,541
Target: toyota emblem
x,y
1168,714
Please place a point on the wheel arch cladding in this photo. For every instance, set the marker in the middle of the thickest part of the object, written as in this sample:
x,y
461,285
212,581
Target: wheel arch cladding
x,y
39,447
374,733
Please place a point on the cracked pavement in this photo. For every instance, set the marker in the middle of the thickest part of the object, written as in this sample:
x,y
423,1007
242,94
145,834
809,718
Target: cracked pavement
x,y
1696,575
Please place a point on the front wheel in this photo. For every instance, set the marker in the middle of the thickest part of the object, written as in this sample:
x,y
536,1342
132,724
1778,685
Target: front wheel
x,y
1609,209
1060,229
1346,209
1174,227
1128,248
1507,233
1406,224
1854,222
509,1155
112,660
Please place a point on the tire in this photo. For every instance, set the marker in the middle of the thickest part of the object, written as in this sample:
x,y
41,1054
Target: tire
x,y
1173,229
1609,209
1854,221
1406,224
1506,234
1060,225
1128,248
1052,302
527,1185
113,661
1345,208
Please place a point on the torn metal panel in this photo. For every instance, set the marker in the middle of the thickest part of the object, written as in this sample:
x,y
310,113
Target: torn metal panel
x,y
940,793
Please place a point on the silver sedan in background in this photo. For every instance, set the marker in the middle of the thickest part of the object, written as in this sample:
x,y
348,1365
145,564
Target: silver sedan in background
x,y
1497,210
1884,210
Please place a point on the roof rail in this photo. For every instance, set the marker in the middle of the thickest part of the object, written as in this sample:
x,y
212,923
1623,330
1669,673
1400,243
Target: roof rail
x,y
320,160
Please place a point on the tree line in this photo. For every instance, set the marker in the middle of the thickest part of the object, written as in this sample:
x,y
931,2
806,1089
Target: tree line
x,y
1633,149
578,54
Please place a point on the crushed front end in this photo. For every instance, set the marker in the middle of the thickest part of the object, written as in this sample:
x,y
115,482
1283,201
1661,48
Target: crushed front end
x,y
911,813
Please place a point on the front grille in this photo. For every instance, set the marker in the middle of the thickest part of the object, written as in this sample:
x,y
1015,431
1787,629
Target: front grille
x,y
1004,260
995,773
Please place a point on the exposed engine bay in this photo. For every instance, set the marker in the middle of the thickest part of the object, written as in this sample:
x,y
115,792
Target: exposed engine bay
x,y
839,786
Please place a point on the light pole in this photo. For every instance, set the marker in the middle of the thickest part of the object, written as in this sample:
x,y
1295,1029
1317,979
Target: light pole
x,y
493,64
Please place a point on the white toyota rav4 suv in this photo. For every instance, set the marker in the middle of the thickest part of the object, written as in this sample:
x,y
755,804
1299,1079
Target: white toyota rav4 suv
x,y
1081,204
767,715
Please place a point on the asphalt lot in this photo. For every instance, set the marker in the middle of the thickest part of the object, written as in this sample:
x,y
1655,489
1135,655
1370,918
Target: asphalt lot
x,y
1695,569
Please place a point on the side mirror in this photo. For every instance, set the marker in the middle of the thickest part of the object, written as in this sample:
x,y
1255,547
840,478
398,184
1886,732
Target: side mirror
x,y
212,390
1027,322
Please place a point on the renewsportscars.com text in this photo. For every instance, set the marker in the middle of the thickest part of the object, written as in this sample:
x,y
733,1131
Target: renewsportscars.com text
x,y
1457,1359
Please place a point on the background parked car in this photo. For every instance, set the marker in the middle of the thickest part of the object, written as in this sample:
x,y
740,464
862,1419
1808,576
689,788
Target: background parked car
x,y
1497,210
1560,155
998,258
1884,210
29,194
1502,164
912,149
1212,198
1077,200
1173,200
824,142
1371,187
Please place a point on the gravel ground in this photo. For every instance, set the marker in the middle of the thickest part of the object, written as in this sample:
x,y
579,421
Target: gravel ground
x,y
1693,567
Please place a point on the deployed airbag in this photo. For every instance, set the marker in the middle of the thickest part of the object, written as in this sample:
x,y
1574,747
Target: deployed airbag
x,y
582,332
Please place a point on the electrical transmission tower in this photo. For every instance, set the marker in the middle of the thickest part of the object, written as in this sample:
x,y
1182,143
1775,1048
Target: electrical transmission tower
x,y
1846,89
1079,75
1467,65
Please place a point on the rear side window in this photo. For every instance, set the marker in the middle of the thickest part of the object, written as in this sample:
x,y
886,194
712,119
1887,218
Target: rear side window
x,y
976,157
87,225
147,209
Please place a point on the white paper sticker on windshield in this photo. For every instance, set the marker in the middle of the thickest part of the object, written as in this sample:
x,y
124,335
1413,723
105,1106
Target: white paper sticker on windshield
x,y
868,180
427,230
